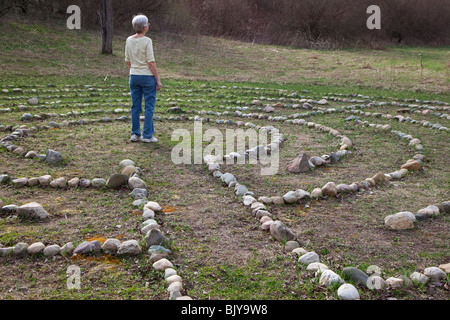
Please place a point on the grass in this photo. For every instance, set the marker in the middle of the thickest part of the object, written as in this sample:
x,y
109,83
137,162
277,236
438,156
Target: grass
x,y
218,247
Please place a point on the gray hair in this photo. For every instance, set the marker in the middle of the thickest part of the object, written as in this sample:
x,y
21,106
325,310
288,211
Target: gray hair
x,y
139,23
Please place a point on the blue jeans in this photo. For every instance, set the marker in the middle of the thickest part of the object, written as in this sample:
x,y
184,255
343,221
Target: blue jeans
x,y
142,86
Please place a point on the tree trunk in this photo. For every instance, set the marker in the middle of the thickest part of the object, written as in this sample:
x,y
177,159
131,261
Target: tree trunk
x,y
107,27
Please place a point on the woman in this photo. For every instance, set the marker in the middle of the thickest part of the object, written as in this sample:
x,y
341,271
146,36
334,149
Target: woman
x,y
144,79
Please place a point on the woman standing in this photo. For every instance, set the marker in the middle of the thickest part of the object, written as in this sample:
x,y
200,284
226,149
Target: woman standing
x,y
144,79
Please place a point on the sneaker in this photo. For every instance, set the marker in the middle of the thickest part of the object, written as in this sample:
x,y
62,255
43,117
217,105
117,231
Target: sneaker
x,y
152,139
135,138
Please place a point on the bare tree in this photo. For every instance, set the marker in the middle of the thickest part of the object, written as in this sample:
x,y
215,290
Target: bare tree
x,y
107,24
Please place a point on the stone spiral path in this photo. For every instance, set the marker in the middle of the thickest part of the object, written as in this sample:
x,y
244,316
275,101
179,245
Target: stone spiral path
x,y
257,204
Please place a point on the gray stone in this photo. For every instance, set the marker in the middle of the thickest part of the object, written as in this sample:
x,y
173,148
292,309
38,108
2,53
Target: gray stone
x,y
116,181
45,180
129,247
158,249
59,183
227,178
330,278
156,237
356,275
35,248
135,182
240,190
418,278
32,210
280,232
52,250
88,247
139,193
375,282
85,183
26,116
98,183
308,258
317,161
434,273
299,164
20,249
126,162
290,197
291,245
53,157
110,246
67,249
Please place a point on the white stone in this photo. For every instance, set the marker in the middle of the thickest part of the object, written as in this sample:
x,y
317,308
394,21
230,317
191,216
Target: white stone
x,y
308,258
435,273
317,267
348,292
376,283
418,278
152,205
329,278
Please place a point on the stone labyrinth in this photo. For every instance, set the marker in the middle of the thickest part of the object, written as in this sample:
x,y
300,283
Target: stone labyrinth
x,y
32,111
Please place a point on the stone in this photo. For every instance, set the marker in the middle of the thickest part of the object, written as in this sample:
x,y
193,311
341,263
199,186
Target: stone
x,y
175,286
299,164
168,272
317,161
74,182
53,157
418,278
265,200
156,237
33,182
20,182
98,183
316,193
434,273
20,249
400,221
376,283
291,245
329,189
277,200
155,256
117,181
148,214
395,283
26,116
152,205
266,225
125,163
59,183
348,292
308,258
158,249
374,270
33,101
290,197
429,211
67,249
227,178
162,264
88,247
262,213
379,178
174,278
129,170
4,178
280,232
35,248
334,157
110,246
52,250
30,154
248,200
330,278
445,267
139,193
129,247
444,207
135,182
85,183
412,165
32,210
240,190
357,276
317,267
